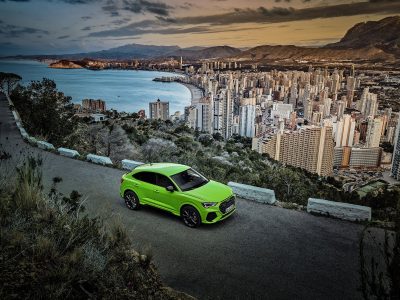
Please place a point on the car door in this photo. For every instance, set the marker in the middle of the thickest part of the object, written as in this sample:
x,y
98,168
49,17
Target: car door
x,y
163,197
144,186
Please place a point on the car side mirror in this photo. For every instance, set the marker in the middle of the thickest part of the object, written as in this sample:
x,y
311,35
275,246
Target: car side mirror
x,y
170,188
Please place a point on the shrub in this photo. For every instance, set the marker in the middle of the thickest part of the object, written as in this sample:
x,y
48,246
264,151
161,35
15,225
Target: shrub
x,y
50,250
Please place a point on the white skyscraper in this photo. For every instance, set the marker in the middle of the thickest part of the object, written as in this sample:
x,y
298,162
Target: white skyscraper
x,y
368,104
247,114
344,135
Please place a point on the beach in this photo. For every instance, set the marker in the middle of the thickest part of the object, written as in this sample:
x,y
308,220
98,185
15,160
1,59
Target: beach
x,y
196,93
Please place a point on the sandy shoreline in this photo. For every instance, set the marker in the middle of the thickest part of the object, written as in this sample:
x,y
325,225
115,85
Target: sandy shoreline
x,y
196,93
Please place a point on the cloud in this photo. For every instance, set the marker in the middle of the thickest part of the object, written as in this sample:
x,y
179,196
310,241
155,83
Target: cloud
x,y
63,37
210,23
137,7
14,31
280,14
86,18
86,28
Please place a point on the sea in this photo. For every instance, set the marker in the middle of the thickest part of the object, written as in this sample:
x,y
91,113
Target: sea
x,y
123,90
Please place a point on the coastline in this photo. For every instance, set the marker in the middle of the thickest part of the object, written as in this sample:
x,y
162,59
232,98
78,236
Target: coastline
x,y
196,93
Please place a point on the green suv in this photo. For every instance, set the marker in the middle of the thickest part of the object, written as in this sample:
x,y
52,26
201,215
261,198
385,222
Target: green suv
x,y
180,190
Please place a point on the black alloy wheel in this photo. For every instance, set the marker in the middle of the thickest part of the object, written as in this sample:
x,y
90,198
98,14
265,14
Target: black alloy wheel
x,y
131,200
190,216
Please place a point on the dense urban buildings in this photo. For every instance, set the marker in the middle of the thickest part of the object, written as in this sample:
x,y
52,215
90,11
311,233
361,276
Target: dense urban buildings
x,y
317,120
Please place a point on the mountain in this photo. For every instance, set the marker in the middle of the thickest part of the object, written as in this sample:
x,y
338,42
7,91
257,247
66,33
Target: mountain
x,y
290,53
131,51
383,34
367,42
210,52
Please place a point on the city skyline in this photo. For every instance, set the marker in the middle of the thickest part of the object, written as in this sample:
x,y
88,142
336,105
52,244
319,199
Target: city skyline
x,y
41,27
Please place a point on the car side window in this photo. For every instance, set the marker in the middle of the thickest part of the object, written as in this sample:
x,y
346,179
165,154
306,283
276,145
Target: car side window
x,y
164,181
148,177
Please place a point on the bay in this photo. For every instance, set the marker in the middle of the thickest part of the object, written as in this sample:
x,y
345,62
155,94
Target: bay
x,y
123,90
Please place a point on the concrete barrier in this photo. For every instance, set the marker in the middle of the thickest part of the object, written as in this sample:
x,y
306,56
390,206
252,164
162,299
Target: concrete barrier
x,y
345,211
24,134
68,152
45,145
97,159
254,193
16,117
32,140
130,164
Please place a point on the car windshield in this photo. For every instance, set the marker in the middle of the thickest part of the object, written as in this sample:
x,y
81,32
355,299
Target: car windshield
x,y
189,179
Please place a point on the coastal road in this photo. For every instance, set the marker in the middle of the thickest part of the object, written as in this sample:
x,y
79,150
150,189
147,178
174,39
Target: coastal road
x,y
262,252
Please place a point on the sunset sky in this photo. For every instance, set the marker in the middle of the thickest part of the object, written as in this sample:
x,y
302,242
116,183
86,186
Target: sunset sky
x,y
70,26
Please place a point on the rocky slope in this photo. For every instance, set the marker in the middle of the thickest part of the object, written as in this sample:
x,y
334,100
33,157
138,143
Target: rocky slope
x,y
383,34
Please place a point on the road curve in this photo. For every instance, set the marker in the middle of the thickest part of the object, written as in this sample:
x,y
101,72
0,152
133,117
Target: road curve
x,y
262,252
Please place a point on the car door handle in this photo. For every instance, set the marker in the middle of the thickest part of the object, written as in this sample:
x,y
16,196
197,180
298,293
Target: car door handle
x,y
157,191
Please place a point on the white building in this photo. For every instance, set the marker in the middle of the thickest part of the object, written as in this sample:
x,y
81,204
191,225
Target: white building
x,y
247,114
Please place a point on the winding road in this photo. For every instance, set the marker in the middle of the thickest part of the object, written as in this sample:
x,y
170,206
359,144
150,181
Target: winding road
x,y
262,252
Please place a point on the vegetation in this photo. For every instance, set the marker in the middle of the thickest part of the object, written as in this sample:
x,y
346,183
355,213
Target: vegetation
x,y
44,110
8,81
51,250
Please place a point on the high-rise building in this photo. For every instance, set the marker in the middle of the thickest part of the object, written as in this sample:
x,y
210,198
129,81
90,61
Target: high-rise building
x,y
247,114
227,119
94,105
340,107
200,117
395,171
374,132
344,133
159,110
310,148
368,104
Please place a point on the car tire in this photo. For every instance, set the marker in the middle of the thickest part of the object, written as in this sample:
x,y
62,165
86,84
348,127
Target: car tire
x,y
131,200
190,216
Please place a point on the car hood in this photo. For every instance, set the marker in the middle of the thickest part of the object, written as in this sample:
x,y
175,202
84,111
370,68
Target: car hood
x,y
212,191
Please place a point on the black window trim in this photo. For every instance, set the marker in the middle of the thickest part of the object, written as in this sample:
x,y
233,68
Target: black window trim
x,y
155,184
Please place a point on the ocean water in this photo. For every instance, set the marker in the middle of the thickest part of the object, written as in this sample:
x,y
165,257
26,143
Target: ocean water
x,y
123,90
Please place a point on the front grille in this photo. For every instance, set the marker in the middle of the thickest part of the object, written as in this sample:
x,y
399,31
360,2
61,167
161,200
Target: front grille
x,y
224,205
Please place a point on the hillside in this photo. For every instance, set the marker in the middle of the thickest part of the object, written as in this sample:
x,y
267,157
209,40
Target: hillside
x,y
292,53
383,34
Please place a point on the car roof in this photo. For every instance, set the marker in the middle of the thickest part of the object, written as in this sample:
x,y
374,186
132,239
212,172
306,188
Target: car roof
x,y
167,169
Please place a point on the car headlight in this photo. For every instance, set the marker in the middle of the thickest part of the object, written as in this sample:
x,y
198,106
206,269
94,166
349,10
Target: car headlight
x,y
208,204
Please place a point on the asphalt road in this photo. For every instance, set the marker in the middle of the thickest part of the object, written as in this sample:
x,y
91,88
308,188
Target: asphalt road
x,y
262,252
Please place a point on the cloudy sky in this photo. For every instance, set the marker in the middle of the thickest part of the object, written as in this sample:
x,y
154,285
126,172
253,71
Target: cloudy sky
x,y
71,26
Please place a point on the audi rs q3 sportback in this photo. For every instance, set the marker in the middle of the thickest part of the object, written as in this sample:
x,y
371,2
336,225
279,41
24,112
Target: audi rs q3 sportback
x,y
180,190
